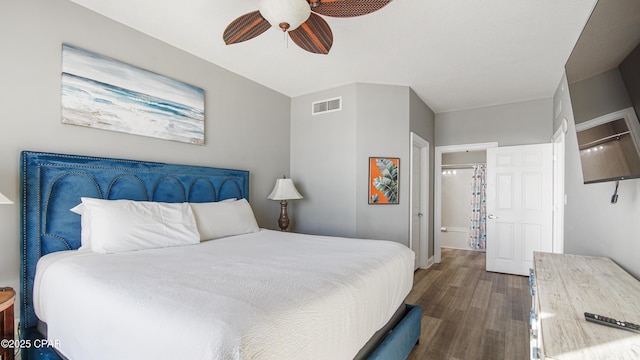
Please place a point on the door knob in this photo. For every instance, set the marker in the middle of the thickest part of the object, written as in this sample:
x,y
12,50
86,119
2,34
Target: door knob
x,y
491,216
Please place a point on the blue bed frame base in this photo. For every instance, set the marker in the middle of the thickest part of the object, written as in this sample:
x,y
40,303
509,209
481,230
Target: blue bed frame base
x,y
52,184
398,344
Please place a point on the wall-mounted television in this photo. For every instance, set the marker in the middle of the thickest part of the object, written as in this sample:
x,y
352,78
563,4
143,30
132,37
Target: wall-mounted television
x,y
603,72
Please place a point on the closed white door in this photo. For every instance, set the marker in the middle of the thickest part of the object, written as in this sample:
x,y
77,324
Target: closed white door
x,y
419,224
519,206
416,211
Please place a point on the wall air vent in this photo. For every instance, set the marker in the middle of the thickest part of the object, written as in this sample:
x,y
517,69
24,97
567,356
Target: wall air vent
x,y
325,106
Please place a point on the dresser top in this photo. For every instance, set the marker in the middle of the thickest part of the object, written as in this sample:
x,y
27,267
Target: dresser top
x,y
570,285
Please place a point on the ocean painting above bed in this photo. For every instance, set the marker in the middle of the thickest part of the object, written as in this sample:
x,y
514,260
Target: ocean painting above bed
x,y
103,93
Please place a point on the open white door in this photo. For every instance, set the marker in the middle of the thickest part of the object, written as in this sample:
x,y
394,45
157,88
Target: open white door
x,y
519,206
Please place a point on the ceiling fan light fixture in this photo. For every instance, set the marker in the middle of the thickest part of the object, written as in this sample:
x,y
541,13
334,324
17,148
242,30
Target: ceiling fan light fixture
x,y
285,14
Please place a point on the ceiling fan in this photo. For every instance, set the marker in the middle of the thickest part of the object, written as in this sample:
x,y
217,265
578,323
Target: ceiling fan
x,y
300,19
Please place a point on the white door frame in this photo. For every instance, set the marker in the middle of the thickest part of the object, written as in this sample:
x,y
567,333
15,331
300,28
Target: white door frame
x,y
423,144
437,191
558,141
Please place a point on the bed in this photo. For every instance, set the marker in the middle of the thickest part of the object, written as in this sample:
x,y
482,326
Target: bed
x,y
256,294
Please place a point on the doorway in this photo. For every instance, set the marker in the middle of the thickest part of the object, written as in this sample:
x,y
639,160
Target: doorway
x,y
440,153
463,209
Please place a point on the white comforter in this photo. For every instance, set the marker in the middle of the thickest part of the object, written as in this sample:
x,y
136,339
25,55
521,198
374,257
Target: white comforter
x,y
265,295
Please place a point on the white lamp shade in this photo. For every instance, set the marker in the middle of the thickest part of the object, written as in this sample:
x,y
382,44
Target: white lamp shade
x,y
292,12
5,200
284,190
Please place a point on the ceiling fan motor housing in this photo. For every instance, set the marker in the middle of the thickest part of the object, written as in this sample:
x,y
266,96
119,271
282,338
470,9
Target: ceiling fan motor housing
x,y
285,14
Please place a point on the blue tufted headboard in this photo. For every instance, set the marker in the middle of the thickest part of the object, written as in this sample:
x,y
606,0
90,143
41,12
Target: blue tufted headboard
x,y
52,184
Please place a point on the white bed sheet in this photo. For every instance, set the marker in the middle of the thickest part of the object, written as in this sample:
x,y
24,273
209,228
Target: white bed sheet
x,y
265,295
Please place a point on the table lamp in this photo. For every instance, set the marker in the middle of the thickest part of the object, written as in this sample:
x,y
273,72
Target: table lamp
x,y
283,191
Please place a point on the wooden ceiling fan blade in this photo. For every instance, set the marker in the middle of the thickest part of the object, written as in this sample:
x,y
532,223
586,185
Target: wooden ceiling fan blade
x,y
314,35
347,8
245,27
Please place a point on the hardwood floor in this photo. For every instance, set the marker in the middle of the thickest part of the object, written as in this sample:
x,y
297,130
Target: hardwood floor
x,y
469,313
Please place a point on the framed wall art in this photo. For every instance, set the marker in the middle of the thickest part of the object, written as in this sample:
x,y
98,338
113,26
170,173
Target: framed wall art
x,y
103,93
383,180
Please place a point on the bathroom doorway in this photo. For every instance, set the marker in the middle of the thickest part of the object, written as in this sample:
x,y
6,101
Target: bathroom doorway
x,y
463,207
455,198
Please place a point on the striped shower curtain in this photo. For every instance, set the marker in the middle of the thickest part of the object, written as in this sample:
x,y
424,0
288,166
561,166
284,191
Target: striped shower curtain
x,y
478,228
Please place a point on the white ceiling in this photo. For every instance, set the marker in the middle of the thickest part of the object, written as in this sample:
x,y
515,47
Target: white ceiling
x,y
454,54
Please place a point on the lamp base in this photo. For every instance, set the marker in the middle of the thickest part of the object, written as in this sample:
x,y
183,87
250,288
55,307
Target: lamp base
x,y
283,220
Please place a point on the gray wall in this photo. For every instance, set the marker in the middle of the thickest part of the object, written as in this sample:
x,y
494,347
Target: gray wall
x,y
323,157
382,130
594,226
520,123
255,138
330,152
464,158
598,95
630,71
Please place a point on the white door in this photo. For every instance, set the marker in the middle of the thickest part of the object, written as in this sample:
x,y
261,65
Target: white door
x,y
416,211
519,206
419,195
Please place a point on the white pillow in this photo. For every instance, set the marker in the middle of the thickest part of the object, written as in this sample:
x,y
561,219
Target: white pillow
x,y
110,226
224,218
85,226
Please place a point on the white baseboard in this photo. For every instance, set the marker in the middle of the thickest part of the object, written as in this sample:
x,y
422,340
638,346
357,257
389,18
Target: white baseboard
x,y
430,262
456,247
467,249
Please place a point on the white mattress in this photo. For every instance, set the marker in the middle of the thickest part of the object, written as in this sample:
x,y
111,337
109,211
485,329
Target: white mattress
x,y
265,295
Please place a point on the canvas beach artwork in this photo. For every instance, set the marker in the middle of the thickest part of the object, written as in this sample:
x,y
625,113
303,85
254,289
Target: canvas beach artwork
x,y
104,93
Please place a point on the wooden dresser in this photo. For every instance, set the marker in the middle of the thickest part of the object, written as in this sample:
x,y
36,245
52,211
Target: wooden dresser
x,y
564,287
